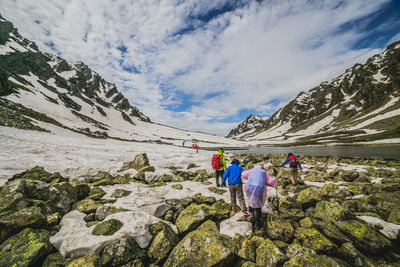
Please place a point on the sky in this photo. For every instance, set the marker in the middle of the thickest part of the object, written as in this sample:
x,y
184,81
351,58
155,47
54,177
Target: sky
x,y
205,65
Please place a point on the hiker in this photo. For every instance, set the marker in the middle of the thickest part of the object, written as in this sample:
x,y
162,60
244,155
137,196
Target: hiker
x,y
183,143
233,174
256,190
196,147
219,165
293,164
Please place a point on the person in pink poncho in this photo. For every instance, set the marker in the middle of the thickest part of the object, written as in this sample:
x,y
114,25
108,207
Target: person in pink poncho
x,y
256,190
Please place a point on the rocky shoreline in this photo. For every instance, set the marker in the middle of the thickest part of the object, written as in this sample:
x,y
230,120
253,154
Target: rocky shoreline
x,y
344,212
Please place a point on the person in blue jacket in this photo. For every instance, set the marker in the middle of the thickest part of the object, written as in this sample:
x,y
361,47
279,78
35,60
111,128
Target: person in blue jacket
x,y
293,165
233,174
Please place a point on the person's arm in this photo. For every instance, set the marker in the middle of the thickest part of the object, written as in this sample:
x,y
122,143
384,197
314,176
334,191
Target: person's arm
x,y
223,162
286,161
226,175
270,181
245,174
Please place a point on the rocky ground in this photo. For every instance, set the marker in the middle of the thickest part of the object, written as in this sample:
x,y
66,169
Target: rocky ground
x,y
343,212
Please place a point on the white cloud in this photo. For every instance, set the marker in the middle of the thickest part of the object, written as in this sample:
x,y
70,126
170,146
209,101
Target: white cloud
x,y
250,55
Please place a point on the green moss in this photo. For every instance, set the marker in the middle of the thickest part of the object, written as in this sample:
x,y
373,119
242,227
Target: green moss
x,y
108,227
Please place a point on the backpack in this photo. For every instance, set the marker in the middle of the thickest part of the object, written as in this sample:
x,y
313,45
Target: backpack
x,y
216,162
293,162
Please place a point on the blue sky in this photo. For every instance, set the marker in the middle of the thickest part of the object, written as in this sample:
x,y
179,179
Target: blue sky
x,y
206,65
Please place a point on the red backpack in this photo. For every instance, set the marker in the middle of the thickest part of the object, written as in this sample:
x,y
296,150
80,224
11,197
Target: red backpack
x,y
216,162
293,161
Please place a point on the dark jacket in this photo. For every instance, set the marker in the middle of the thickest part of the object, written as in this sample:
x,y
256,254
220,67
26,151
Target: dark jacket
x,y
233,173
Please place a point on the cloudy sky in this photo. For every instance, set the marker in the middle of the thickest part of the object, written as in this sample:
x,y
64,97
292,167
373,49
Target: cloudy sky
x,y
205,65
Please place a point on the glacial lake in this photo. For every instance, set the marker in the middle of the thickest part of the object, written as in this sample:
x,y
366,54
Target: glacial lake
x,y
385,152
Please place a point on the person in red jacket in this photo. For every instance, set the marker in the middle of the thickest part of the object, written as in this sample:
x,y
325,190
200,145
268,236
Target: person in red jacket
x,y
196,147
293,164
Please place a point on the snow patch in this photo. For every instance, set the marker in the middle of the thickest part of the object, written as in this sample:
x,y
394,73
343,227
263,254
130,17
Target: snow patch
x,y
390,230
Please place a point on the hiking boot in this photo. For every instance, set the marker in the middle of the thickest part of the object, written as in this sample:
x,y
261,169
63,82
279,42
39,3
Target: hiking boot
x,y
234,211
245,213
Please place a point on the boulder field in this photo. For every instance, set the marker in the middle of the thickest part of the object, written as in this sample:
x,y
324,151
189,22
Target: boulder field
x,y
342,212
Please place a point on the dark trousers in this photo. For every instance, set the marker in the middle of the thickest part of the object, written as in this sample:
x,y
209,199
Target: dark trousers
x,y
218,174
256,214
237,190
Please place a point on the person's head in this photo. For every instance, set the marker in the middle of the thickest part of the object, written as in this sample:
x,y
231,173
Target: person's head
x,y
221,149
290,154
235,161
259,165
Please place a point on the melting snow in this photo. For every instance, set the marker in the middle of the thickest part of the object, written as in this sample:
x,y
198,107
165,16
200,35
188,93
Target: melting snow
x,y
390,230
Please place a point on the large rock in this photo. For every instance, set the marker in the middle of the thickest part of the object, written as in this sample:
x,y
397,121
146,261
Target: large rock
x,y
249,248
38,173
309,196
162,244
279,229
28,203
108,227
139,162
121,251
364,236
192,217
325,210
82,189
86,206
89,260
203,247
269,255
26,248
314,240
349,176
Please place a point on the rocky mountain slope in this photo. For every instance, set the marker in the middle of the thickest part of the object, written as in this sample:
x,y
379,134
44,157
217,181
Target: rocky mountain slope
x,y
43,92
250,123
363,104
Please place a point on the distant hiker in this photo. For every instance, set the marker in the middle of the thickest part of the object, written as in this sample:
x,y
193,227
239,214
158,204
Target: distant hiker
x,y
233,174
293,164
183,143
196,147
219,165
193,146
256,190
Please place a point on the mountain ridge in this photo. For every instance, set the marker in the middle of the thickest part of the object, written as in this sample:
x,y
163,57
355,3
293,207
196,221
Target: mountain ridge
x,y
338,107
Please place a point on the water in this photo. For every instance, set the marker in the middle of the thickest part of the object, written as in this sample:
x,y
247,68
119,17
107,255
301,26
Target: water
x,y
385,152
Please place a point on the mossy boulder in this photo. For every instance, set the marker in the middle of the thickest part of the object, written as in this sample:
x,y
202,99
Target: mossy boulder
x,y
352,255
287,203
162,244
279,229
200,199
108,227
348,176
314,261
139,162
54,260
89,260
306,223
121,251
96,193
192,216
86,205
394,216
292,214
217,191
26,248
313,239
331,210
268,254
249,248
203,247
120,193
103,211
364,236
309,196
177,186
82,189
38,173
221,210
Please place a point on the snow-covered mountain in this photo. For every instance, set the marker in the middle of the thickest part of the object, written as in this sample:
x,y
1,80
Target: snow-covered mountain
x,y
43,92
250,123
361,105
